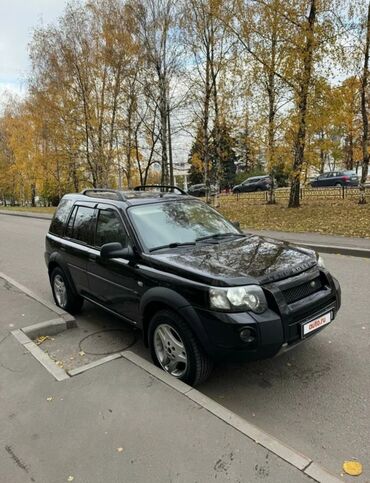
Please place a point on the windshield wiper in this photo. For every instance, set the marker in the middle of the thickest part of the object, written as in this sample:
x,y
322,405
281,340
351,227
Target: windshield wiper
x,y
220,235
172,245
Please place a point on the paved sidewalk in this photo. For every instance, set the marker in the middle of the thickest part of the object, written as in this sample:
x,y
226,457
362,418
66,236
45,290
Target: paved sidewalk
x,y
115,423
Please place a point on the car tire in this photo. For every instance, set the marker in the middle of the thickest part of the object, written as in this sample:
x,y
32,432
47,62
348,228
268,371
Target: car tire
x,y
63,294
198,365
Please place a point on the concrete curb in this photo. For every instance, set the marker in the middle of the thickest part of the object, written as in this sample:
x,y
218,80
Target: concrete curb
x,y
275,446
37,216
57,372
91,365
50,327
337,250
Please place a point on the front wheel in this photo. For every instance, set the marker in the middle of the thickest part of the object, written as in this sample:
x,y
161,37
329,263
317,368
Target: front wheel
x,y
175,349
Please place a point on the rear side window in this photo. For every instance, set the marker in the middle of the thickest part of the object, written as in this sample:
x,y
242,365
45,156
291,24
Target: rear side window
x,y
80,224
109,228
60,218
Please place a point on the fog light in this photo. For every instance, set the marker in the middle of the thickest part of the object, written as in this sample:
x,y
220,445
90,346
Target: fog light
x,y
247,335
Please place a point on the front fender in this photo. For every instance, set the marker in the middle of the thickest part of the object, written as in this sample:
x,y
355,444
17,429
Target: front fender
x,y
173,300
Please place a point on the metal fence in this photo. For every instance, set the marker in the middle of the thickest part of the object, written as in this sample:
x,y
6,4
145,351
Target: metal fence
x,y
342,192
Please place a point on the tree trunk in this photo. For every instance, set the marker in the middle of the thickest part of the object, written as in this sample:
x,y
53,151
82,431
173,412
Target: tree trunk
x,y
272,114
304,88
172,179
207,97
364,102
164,136
33,195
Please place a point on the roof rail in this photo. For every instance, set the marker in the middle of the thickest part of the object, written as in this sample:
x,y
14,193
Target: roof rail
x,y
162,188
104,193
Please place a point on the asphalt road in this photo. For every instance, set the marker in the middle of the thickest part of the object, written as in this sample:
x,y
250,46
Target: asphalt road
x,y
315,398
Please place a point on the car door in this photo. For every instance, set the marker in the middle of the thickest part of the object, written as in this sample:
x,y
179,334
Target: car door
x,y
320,181
113,282
77,242
246,186
330,179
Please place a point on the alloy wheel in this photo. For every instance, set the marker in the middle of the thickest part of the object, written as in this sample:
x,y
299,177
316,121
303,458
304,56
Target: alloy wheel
x,y
60,290
170,350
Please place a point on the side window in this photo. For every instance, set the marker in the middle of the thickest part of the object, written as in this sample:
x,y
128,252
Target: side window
x,y
81,223
61,217
109,229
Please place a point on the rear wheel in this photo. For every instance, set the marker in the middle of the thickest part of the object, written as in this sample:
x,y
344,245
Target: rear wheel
x,y
63,293
176,350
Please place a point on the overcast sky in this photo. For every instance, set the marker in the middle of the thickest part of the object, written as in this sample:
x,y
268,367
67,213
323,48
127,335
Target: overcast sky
x,y
17,20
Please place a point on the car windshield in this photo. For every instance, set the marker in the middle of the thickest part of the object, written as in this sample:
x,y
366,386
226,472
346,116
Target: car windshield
x,y
178,222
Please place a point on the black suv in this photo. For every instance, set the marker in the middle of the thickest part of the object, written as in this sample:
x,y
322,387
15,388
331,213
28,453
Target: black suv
x,y
257,183
336,178
200,190
199,288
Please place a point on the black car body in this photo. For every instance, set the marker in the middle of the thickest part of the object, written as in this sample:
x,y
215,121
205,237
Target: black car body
x,y
199,190
335,179
256,183
110,248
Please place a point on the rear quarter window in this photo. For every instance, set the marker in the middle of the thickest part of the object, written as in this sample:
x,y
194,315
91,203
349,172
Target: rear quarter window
x,y
60,217
83,222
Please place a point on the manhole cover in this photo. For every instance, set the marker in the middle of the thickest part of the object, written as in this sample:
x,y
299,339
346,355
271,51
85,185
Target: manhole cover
x,y
108,341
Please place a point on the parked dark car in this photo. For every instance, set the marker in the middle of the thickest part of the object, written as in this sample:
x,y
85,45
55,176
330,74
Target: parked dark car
x,y
198,288
199,190
256,183
336,178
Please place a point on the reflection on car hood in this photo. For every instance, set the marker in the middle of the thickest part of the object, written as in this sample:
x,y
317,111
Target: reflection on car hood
x,y
252,259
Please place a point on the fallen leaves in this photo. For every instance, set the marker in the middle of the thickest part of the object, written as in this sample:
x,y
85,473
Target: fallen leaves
x,y
352,467
82,353
41,338
49,398
327,216
119,450
70,478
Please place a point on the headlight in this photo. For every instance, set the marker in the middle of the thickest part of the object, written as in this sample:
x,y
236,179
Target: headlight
x,y
320,262
249,297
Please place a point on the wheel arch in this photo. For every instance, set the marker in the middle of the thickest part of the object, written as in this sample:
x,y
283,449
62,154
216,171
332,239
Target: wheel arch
x,y
162,298
56,261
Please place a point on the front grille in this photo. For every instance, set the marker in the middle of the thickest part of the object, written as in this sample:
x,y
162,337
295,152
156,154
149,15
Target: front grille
x,y
299,292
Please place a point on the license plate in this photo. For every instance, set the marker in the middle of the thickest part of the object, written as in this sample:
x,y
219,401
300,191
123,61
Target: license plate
x,y
315,324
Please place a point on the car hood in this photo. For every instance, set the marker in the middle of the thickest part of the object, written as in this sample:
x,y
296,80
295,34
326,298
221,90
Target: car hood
x,y
252,259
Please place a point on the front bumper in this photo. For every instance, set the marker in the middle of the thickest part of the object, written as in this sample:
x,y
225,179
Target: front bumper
x,y
278,329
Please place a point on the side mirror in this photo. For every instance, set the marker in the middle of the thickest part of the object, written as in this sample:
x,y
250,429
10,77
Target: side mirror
x,y
116,250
